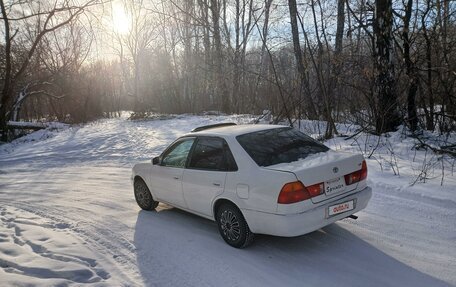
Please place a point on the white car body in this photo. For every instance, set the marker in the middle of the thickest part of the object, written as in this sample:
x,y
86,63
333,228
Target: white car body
x,y
255,189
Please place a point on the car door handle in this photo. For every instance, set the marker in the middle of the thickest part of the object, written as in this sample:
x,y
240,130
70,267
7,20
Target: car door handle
x,y
176,177
216,184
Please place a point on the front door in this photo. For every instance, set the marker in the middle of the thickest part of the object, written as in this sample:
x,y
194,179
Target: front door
x,y
166,177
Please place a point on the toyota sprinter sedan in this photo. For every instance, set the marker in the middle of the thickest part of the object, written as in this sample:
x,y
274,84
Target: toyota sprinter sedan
x,y
254,179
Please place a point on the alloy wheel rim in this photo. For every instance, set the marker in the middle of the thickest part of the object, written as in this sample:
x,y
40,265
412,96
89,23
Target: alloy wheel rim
x,y
230,225
141,195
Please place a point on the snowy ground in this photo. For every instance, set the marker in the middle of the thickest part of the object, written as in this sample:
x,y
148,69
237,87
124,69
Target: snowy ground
x,y
68,216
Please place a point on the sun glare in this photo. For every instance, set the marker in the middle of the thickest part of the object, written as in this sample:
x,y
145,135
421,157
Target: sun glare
x,y
120,20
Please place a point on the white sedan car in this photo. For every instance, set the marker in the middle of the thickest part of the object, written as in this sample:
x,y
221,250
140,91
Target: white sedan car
x,y
264,179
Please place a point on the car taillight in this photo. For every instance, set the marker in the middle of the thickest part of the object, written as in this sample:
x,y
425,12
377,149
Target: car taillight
x,y
296,191
357,176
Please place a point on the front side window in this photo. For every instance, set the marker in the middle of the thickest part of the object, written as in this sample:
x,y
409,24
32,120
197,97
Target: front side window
x,y
212,154
177,155
281,145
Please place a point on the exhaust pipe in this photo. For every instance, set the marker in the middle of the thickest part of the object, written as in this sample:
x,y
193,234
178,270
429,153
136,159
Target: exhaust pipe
x,y
353,216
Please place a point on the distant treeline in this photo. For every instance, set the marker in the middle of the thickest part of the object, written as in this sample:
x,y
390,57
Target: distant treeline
x,y
375,63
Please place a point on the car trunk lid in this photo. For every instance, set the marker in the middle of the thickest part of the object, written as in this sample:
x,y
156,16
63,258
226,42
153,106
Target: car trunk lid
x,y
326,167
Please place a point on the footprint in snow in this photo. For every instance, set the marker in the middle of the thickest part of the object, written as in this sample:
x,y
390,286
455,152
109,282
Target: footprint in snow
x,y
36,247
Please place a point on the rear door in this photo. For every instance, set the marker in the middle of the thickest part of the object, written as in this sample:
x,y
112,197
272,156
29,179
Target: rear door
x,y
204,177
166,178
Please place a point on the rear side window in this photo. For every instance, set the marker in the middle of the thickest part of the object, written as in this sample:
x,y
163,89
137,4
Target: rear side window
x,y
212,154
280,145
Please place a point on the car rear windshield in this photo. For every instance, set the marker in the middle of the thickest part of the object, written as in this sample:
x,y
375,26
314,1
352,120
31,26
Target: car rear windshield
x,y
274,146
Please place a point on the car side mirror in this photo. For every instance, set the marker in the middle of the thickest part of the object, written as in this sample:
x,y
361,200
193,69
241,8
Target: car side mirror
x,y
156,160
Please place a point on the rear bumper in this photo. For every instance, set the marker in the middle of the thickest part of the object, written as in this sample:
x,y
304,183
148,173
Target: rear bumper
x,y
305,222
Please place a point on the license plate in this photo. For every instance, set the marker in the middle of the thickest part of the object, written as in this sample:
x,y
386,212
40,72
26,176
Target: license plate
x,y
341,207
334,186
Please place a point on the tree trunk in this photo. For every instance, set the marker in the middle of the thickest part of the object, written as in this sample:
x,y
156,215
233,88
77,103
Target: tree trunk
x,y
429,79
340,25
387,114
221,84
335,83
267,9
6,91
298,55
237,51
410,70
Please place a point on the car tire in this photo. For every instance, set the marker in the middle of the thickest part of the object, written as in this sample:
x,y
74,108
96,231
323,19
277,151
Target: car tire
x,y
143,196
232,226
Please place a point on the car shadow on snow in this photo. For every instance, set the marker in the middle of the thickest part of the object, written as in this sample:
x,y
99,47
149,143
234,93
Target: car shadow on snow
x,y
177,248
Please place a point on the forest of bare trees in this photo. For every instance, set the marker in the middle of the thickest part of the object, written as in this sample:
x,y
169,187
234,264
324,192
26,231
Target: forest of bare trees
x,y
378,64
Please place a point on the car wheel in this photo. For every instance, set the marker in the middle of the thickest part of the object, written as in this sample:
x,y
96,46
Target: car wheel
x,y
232,226
143,196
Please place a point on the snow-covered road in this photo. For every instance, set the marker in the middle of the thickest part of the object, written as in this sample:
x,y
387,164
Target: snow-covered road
x,y
68,216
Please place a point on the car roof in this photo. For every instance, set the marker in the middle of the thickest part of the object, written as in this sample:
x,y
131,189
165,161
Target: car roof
x,y
234,130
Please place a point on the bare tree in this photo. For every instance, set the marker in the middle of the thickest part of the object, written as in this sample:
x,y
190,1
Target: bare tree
x,y
410,68
387,114
299,59
221,83
45,21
